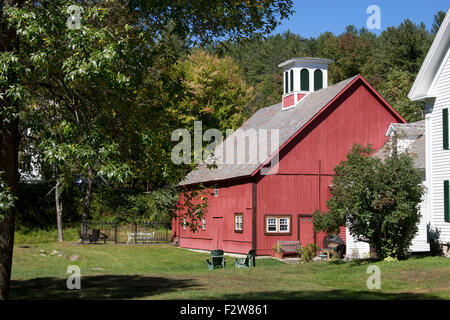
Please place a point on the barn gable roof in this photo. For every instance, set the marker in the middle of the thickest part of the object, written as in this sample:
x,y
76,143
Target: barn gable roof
x,y
289,122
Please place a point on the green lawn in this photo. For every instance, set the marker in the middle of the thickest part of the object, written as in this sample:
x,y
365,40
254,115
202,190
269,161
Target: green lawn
x,y
167,272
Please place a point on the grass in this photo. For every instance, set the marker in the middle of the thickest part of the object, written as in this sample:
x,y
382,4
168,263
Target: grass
x,y
28,236
167,272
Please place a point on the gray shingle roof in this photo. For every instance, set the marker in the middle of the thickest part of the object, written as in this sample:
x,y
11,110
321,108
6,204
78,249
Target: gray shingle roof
x,y
416,148
413,128
287,121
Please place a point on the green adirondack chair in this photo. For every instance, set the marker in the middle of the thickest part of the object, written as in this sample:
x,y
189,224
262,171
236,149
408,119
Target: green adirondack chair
x,y
248,262
217,260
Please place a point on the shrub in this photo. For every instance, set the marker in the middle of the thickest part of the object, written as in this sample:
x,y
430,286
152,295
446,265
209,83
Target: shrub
x,y
308,252
377,199
277,248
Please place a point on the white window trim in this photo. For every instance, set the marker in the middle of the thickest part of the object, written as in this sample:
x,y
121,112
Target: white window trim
x,y
287,224
203,223
267,225
184,224
277,224
239,222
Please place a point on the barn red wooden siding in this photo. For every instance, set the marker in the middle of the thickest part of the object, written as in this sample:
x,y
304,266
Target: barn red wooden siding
x,y
288,101
234,197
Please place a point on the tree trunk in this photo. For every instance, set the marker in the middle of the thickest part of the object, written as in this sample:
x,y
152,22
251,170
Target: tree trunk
x,y
87,202
9,142
59,210
9,148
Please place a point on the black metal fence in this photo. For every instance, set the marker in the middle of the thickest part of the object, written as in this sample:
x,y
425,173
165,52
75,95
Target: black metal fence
x,y
125,233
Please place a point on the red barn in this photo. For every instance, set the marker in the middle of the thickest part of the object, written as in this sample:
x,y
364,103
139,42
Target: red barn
x,y
256,203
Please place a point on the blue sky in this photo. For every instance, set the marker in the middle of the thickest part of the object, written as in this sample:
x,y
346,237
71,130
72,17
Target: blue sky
x,y
311,18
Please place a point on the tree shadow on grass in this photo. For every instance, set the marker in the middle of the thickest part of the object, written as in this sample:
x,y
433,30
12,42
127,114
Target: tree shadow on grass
x,y
328,295
99,287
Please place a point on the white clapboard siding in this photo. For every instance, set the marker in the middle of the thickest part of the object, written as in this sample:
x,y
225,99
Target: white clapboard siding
x,y
356,249
440,158
420,241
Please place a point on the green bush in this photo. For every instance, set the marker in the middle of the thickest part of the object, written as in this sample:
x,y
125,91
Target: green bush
x,y
308,252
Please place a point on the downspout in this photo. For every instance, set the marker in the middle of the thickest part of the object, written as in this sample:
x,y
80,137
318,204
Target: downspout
x,y
428,159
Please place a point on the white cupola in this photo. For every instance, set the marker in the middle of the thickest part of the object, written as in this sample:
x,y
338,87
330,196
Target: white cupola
x,y
302,76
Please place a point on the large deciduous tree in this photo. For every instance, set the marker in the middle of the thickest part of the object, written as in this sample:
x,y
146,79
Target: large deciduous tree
x,y
118,62
215,92
10,101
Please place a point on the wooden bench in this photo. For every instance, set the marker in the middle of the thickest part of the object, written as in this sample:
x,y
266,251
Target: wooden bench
x,y
140,236
288,247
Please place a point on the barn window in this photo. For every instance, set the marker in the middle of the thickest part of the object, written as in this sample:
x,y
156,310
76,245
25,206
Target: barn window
x,y
292,80
216,190
278,224
318,79
204,224
284,224
184,224
286,82
304,80
445,128
271,225
238,222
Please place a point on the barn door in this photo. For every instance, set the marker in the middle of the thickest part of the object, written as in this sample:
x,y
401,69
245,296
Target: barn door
x,y
218,226
305,230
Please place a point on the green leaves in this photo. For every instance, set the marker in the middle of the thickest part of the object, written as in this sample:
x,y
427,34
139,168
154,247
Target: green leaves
x,y
215,92
7,199
194,205
102,99
395,90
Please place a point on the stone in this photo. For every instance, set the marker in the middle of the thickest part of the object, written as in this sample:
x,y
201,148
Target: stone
x,y
54,252
43,255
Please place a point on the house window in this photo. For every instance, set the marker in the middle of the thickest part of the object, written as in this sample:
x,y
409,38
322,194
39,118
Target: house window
x,y
445,128
278,224
216,190
238,222
318,79
184,224
304,80
204,224
446,201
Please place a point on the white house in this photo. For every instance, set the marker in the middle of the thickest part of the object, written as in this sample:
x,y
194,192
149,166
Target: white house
x,y
432,87
30,162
